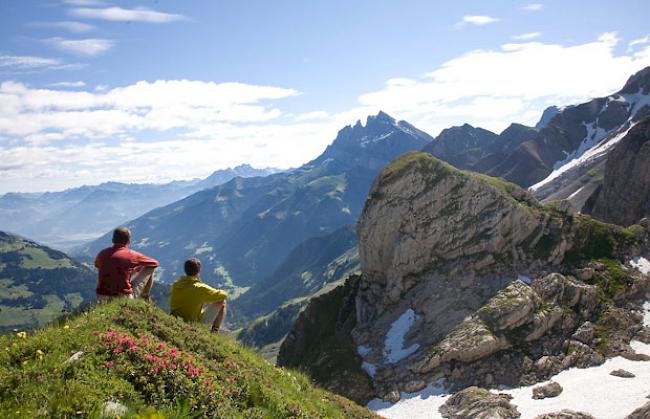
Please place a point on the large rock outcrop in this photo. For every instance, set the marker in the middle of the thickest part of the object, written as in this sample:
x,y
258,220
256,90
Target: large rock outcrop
x,y
624,197
470,279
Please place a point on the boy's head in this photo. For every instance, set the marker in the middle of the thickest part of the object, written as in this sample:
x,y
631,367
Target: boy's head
x,y
192,267
122,235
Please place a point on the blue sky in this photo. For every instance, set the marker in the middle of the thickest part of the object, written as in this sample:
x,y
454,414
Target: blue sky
x,y
143,91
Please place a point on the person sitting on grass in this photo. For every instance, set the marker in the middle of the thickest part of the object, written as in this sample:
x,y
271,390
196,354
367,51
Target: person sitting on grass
x,y
194,301
116,265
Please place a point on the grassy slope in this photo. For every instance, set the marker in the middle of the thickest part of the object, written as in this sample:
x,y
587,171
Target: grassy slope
x,y
38,284
42,384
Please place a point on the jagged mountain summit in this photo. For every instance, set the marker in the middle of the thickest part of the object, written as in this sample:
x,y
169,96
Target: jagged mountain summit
x,y
470,280
553,158
243,230
68,218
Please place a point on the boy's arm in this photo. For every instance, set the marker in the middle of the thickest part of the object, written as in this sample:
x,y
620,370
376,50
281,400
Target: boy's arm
x,y
212,295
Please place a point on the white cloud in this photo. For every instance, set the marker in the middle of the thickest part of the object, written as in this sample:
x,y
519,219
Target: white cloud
x,y
89,47
311,115
118,14
68,84
639,41
533,7
76,27
27,62
84,2
527,36
492,88
160,106
476,20
66,137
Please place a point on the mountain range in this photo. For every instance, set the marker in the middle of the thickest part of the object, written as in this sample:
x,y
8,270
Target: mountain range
x,y
248,231
454,277
68,218
245,229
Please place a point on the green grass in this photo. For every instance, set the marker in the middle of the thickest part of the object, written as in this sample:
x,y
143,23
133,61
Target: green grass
x,y
34,257
231,381
10,291
26,317
596,240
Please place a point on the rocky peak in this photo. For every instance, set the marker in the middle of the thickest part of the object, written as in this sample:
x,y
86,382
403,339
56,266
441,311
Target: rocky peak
x,y
380,140
547,115
462,146
639,81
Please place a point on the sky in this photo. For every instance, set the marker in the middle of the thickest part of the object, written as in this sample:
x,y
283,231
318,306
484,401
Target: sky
x,y
154,91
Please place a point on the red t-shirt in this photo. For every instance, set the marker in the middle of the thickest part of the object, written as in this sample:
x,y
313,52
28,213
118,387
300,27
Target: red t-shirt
x,y
116,265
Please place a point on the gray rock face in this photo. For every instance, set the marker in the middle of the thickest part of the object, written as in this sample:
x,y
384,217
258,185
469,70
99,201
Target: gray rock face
x,y
463,146
642,412
585,333
478,403
622,374
551,389
624,197
470,279
458,267
565,414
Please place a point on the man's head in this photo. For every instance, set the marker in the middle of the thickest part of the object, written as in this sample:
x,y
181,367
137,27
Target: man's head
x,y
121,235
192,267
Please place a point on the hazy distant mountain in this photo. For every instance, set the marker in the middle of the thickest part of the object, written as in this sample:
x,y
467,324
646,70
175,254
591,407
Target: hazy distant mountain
x,y
244,229
68,218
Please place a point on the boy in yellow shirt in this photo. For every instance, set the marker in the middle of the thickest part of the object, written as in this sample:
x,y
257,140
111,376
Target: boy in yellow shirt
x,y
189,295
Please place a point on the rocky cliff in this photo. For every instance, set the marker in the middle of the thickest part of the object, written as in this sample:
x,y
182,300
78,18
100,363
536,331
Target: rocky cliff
x,y
624,197
470,279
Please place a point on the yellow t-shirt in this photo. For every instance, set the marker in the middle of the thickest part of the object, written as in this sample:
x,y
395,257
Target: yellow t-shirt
x,y
188,296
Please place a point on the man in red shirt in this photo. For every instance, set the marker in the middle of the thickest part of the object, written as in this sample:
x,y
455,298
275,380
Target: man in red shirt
x,y
115,266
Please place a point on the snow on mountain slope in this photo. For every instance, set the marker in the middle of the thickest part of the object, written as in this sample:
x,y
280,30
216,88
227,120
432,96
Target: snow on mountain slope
x,y
597,142
590,390
590,154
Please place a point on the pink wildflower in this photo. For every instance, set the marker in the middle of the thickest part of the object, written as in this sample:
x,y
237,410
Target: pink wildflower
x,y
108,363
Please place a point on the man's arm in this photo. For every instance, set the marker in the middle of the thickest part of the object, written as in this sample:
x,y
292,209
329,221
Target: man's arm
x,y
138,259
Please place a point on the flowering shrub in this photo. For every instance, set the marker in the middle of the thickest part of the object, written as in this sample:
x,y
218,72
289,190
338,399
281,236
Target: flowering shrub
x,y
163,373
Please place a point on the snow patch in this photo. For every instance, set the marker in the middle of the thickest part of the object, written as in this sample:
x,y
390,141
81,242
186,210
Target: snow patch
x,y
365,141
591,390
423,404
394,344
363,350
641,263
371,369
593,137
576,192
525,279
591,154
